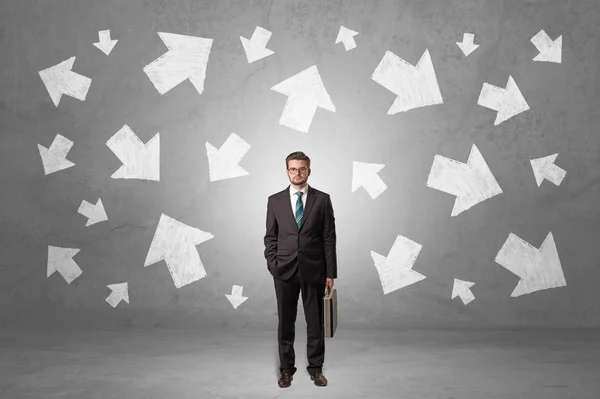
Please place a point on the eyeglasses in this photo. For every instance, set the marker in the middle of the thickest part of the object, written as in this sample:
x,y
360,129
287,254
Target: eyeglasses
x,y
294,170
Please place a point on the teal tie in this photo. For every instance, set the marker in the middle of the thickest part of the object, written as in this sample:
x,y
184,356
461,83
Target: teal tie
x,y
299,208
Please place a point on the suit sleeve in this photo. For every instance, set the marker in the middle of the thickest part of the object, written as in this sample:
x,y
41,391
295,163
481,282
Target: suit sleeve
x,y
271,237
329,240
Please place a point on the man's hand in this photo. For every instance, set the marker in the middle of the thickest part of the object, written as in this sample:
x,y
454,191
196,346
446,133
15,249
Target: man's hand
x,y
329,283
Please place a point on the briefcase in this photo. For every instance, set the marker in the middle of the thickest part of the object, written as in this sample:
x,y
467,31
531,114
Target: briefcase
x,y
330,312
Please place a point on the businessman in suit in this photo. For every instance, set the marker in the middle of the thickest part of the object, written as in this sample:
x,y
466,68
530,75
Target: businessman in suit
x,y
300,248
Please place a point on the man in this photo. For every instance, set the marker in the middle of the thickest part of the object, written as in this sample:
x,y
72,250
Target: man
x,y
301,255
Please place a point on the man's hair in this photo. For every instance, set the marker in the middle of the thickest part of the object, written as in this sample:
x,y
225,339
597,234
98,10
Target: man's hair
x,y
298,155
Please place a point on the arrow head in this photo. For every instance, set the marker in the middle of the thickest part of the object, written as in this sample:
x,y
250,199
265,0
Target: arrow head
x,y
508,102
544,168
59,80
223,163
105,44
346,36
467,45
54,158
549,50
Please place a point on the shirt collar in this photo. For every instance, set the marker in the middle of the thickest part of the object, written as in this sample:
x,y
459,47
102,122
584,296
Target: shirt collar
x,y
293,191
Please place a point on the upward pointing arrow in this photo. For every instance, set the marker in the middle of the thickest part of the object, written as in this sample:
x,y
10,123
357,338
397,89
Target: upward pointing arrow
x,y
186,59
365,175
467,45
305,92
550,50
414,86
61,260
462,289
346,36
176,243
59,80
544,168
105,44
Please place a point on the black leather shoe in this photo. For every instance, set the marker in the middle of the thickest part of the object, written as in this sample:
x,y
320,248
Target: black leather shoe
x,y
319,379
285,380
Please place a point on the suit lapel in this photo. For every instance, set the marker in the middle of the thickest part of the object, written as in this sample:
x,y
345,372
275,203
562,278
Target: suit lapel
x,y
309,203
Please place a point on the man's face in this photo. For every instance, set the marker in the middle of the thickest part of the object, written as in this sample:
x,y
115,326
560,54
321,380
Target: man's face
x,y
298,172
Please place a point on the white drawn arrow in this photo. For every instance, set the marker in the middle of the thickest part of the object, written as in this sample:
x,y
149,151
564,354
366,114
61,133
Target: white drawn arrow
x,y
467,45
223,163
256,47
236,297
365,175
94,213
471,183
544,168
305,92
119,293
508,102
462,289
61,260
176,242
55,157
414,87
59,80
346,36
395,271
550,50
186,59
538,269
105,44
140,161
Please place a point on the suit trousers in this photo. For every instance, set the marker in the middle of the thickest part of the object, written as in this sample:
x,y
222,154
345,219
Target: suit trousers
x,y
287,292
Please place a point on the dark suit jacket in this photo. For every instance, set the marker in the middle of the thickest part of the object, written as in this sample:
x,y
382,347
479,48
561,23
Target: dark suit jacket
x,y
313,245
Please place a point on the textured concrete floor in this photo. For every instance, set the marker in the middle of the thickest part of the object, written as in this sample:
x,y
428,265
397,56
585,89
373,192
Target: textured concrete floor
x,y
243,364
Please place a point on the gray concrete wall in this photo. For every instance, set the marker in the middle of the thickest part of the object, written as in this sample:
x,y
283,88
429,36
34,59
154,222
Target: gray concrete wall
x,y
39,210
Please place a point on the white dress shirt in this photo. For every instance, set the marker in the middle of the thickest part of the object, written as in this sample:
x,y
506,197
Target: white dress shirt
x,y
294,198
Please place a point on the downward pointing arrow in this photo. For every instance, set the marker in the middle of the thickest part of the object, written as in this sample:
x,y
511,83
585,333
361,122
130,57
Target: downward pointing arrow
x,y
365,175
467,45
550,50
94,213
463,290
395,271
55,157
256,47
346,36
223,163
140,161
236,297
105,44
544,168
508,102
539,269
59,80
60,259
